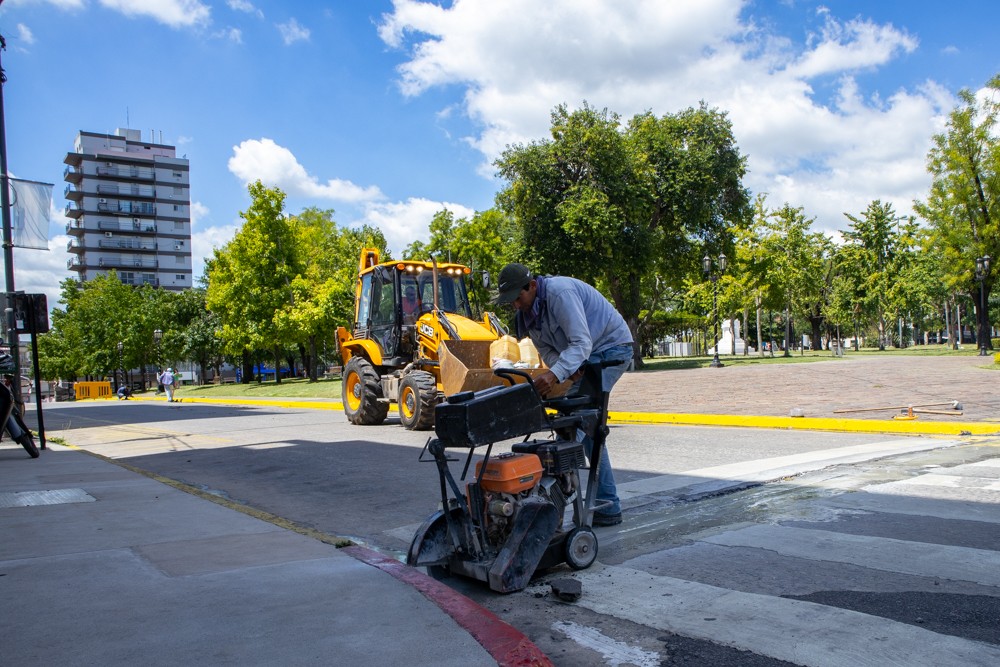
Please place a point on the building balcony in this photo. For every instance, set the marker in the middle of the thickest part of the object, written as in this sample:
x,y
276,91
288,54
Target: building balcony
x,y
125,207
72,175
126,172
76,264
118,190
72,193
72,210
138,282
126,244
134,226
130,263
75,246
75,227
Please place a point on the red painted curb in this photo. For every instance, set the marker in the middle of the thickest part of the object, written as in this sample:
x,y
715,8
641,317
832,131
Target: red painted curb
x,y
508,646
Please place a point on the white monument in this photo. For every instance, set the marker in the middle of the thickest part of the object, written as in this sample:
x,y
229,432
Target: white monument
x,y
728,336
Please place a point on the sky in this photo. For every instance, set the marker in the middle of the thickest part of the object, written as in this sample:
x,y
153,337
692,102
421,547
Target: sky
x,y
387,112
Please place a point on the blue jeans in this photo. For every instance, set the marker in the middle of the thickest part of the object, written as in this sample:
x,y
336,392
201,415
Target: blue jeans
x,y
606,489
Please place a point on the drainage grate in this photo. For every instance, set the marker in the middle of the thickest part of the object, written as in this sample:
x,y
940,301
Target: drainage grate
x,y
52,497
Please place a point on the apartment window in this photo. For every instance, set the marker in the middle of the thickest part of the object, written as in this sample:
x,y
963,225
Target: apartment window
x,y
179,276
178,225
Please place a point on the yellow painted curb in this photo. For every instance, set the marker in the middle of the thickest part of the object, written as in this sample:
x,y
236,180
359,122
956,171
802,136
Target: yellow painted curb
x,y
914,427
903,427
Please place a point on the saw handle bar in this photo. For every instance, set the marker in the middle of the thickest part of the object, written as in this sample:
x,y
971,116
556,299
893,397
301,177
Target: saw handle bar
x,y
590,387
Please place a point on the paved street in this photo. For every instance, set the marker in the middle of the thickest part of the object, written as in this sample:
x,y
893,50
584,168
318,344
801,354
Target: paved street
x,y
740,546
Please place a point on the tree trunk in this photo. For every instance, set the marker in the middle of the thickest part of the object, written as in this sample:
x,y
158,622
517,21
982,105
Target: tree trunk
x,y
982,299
247,367
277,365
314,360
760,336
817,332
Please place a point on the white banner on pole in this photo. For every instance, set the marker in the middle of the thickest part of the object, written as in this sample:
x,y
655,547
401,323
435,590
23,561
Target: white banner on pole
x,y
31,202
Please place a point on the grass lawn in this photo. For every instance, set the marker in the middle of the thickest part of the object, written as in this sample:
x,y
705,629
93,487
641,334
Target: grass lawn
x,y
807,356
330,389
289,388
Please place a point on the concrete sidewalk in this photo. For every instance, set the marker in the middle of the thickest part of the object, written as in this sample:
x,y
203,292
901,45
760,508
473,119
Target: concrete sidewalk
x,y
101,565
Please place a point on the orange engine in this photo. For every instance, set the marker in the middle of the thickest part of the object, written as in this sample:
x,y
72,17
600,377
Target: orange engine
x,y
510,472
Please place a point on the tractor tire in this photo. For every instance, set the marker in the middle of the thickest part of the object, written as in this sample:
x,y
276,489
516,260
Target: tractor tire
x,y
361,393
418,395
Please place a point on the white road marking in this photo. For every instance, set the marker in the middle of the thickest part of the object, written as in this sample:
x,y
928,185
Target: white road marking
x,y
765,470
918,558
615,653
803,633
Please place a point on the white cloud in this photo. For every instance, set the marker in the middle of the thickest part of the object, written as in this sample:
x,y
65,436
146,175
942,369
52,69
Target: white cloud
x,y
24,34
275,165
244,6
234,35
292,32
204,242
518,59
851,45
174,13
408,221
40,272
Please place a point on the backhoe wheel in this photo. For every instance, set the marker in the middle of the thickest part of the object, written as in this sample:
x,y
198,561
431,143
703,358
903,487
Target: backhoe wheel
x,y
417,398
361,393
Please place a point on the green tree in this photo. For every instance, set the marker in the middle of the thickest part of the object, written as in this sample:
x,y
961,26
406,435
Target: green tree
x,y
794,260
963,205
876,253
250,279
627,208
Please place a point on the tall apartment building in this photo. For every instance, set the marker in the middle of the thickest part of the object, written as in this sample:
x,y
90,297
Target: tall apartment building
x,y
130,209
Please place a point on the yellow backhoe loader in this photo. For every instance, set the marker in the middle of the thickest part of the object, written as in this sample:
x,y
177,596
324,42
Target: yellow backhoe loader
x,y
404,313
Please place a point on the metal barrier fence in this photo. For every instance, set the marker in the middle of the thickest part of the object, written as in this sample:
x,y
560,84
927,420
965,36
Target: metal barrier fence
x,y
92,390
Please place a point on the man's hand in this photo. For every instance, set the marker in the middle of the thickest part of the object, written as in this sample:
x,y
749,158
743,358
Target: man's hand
x,y
545,382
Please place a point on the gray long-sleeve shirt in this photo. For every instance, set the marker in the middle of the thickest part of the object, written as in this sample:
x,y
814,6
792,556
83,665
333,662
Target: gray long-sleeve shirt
x,y
573,321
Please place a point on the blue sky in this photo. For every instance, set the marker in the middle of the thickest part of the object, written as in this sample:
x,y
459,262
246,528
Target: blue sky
x,y
387,112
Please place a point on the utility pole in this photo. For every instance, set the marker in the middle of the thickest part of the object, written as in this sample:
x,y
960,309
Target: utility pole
x,y
8,238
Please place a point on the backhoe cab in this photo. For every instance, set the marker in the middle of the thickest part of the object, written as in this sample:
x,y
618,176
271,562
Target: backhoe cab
x,y
403,313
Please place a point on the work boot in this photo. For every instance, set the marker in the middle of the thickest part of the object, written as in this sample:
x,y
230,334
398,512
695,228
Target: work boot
x,y
607,519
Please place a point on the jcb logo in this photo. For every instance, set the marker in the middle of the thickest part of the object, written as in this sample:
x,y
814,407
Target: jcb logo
x,y
426,330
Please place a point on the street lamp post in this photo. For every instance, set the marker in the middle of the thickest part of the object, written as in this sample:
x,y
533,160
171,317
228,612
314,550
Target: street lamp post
x,y
121,364
707,267
983,270
157,337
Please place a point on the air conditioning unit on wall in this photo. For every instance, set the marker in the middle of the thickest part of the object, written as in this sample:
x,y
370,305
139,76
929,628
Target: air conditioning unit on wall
x,y
108,234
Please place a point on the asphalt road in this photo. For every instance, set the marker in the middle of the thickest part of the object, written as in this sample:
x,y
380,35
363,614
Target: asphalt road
x,y
861,549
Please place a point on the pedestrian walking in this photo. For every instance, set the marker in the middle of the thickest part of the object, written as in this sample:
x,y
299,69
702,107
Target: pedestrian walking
x,y
167,379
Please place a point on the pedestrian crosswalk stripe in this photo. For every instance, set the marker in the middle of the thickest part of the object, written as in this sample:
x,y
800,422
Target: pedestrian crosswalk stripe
x,y
803,633
983,508
917,558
